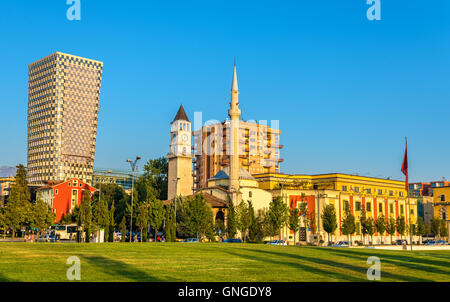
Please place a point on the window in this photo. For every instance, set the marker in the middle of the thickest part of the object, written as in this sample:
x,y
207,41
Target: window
x,y
368,207
391,193
69,184
401,209
56,191
401,194
250,194
74,199
358,231
380,192
442,197
380,207
369,191
391,208
344,188
357,189
346,205
358,206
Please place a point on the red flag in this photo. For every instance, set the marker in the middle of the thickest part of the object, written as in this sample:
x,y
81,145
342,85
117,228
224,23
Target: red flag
x,y
405,166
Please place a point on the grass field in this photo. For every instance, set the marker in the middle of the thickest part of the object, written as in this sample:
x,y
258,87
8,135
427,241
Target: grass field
x,y
214,262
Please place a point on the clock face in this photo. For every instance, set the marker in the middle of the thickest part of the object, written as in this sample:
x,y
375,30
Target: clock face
x,y
185,138
174,137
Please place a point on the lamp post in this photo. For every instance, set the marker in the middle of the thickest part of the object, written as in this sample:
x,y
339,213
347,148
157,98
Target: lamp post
x,y
133,170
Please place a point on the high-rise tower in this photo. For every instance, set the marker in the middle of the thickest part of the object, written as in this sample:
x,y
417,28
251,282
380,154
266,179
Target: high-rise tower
x,y
180,180
63,103
234,114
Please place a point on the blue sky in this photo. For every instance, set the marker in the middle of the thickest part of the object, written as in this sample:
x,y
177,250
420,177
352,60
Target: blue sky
x,y
346,90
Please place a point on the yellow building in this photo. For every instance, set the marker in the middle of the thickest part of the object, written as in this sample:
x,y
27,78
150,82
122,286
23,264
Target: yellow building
x,y
377,196
441,204
5,187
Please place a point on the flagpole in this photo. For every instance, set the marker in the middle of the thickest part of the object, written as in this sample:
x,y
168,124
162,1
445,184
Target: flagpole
x,y
407,200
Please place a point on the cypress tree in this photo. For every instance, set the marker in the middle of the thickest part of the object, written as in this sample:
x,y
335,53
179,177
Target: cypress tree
x,y
231,219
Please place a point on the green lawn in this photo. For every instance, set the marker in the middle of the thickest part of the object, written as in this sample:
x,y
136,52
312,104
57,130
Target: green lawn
x,y
214,262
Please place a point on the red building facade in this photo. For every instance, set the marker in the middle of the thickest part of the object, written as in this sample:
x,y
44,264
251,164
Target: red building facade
x,y
63,197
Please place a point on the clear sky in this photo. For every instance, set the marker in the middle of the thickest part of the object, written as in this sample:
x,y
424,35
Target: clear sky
x,y
346,90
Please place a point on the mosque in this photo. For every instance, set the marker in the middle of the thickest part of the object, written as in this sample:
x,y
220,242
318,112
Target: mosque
x,y
241,163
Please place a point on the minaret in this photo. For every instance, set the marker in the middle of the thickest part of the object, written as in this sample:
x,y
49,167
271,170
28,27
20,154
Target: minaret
x,y
234,114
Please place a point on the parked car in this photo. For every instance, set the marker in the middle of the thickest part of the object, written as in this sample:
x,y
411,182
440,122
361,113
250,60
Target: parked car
x,y
232,240
47,238
430,242
400,242
190,240
277,242
442,242
341,244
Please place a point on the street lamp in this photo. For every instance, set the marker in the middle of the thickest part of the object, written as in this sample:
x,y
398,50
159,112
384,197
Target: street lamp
x,y
133,170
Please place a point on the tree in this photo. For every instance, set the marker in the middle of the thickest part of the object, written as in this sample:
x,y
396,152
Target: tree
x,y
112,222
420,229
155,172
85,215
294,221
278,214
253,227
101,217
243,219
123,228
143,217
3,222
155,214
436,227
363,221
329,221
400,225
194,217
42,216
231,219
370,228
348,225
18,208
390,227
443,229
380,225
170,222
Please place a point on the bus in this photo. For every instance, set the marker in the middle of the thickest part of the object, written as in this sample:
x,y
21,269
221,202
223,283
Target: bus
x,y
66,232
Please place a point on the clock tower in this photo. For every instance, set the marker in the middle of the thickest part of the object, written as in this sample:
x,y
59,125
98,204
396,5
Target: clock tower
x,y
180,179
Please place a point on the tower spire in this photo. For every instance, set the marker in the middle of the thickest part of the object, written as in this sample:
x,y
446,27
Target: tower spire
x,y
234,85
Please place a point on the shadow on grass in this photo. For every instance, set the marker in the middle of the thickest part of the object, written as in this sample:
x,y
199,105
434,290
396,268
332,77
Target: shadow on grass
x,y
399,260
115,267
307,268
6,279
335,264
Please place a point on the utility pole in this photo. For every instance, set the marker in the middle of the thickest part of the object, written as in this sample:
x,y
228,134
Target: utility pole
x,y
133,169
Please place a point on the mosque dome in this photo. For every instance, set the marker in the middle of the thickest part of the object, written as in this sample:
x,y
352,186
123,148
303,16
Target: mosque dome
x,y
225,174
